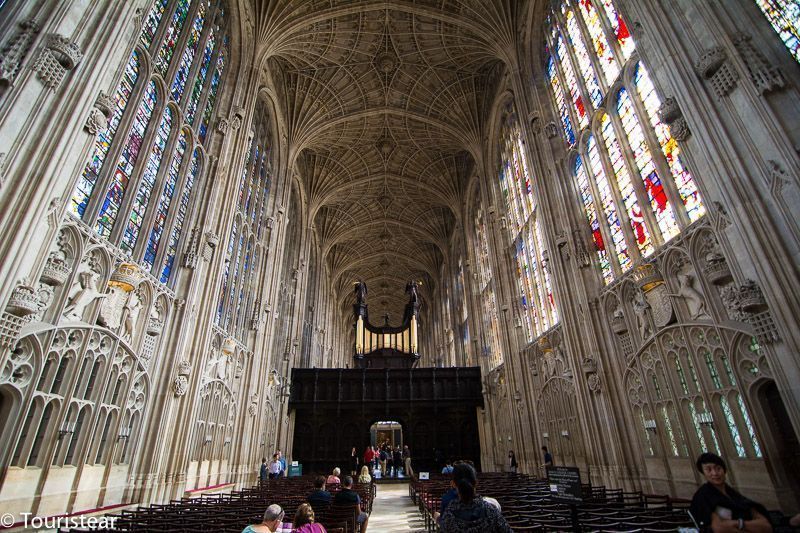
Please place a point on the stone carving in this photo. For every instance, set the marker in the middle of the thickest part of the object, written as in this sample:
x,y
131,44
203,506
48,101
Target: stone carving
x,y
56,270
132,309
155,322
252,409
642,311
765,76
191,256
222,125
551,130
695,303
95,122
618,324
181,382
679,129
720,73
24,301
124,280
87,292
594,382
58,56
15,50
212,240
10,327
217,366
669,110
751,298
100,114
716,269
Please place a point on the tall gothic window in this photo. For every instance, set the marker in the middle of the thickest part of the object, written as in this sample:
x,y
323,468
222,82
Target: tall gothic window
x,y
784,16
138,185
245,247
634,187
489,334
524,230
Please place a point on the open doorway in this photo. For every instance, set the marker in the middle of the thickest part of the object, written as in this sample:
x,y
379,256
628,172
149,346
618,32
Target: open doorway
x,y
387,435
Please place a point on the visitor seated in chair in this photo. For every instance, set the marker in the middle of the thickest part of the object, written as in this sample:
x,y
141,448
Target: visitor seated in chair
x,y
334,477
319,498
304,521
347,497
272,522
365,477
717,507
471,513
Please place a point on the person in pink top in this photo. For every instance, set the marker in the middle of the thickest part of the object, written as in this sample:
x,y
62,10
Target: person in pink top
x,y
304,521
334,477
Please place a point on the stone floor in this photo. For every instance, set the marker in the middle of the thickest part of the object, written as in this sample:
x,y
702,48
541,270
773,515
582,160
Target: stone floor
x,y
394,511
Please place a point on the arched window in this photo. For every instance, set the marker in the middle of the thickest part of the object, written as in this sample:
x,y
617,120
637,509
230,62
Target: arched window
x,y
137,187
524,230
244,250
784,16
634,187
489,335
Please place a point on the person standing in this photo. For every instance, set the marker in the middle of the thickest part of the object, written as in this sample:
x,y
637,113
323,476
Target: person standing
x,y
408,471
262,475
384,457
512,462
282,461
397,460
274,467
369,455
548,459
354,460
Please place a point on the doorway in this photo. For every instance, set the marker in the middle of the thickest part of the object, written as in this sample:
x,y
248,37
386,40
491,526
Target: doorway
x,y
386,432
785,440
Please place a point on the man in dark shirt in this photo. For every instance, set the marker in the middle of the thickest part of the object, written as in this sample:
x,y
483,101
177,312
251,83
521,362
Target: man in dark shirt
x,y
262,475
397,461
548,458
347,497
319,498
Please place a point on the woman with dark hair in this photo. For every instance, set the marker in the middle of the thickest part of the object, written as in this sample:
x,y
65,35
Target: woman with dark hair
x,y
304,521
471,513
354,461
717,507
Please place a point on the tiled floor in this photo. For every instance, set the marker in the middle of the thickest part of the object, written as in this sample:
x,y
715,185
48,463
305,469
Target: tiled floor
x,y
394,511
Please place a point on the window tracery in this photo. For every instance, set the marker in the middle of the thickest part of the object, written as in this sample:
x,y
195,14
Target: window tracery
x,y
489,334
634,187
525,231
141,202
247,237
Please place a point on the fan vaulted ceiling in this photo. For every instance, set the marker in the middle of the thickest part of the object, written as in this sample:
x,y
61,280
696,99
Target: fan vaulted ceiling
x,y
385,106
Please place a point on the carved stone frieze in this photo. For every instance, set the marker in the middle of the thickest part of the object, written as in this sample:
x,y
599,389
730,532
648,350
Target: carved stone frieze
x,y
764,75
15,50
57,57
715,67
56,270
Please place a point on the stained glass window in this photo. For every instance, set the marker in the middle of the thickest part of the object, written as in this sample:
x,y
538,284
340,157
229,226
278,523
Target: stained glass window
x,y
488,335
164,202
189,52
687,189
623,171
170,40
150,24
127,161
536,298
212,92
784,16
240,275
149,190
147,183
87,181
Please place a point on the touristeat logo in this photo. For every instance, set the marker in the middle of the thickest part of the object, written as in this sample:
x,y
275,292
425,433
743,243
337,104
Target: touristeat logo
x,y
29,520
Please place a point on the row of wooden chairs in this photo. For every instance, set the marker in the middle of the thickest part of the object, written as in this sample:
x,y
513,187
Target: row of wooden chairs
x,y
231,512
528,505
